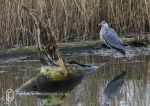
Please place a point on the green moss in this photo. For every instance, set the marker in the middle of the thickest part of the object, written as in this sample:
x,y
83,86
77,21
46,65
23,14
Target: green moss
x,y
128,41
75,44
22,49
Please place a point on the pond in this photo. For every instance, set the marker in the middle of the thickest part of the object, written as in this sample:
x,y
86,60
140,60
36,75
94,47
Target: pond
x,y
89,92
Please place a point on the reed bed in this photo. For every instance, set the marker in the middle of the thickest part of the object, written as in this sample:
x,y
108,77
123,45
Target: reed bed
x,y
79,18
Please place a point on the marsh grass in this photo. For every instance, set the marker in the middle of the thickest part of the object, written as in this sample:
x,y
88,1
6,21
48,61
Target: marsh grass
x,y
71,17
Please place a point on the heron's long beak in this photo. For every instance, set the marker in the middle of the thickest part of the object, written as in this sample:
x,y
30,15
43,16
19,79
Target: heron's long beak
x,y
99,24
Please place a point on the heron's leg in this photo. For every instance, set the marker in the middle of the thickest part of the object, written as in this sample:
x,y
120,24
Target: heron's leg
x,y
113,52
112,60
124,64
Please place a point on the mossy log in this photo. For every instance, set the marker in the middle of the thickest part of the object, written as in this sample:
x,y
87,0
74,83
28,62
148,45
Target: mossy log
x,y
54,72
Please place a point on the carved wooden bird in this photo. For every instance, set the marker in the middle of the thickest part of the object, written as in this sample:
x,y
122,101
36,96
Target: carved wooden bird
x,y
55,74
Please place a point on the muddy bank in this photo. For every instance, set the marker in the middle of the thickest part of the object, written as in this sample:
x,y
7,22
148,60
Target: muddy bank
x,y
30,53
75,48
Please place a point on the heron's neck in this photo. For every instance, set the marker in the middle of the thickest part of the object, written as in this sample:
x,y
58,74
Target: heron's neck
x,y
105,25
104,28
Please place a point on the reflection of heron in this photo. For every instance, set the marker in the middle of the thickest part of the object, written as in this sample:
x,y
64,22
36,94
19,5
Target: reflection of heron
x,y
113,87
111,38
54,73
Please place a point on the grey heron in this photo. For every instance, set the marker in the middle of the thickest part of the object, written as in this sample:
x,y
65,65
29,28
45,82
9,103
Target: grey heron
x,y
111,38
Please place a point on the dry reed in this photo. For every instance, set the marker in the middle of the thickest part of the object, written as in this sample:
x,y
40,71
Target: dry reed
x,y
71,17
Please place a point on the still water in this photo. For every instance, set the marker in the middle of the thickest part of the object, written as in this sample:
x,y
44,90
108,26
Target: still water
x,y
134,92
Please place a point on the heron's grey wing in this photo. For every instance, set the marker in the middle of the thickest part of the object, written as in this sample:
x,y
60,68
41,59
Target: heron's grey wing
x,y
114,85
113,31
112,39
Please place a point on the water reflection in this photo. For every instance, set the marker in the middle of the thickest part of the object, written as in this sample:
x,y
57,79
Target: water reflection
x,y
51,98
135,92
113,88
54,100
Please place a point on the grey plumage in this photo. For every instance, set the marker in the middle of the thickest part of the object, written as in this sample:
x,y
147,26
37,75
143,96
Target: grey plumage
x,y
111,38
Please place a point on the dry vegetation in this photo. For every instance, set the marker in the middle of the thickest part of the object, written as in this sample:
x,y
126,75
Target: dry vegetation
x,y
71,17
